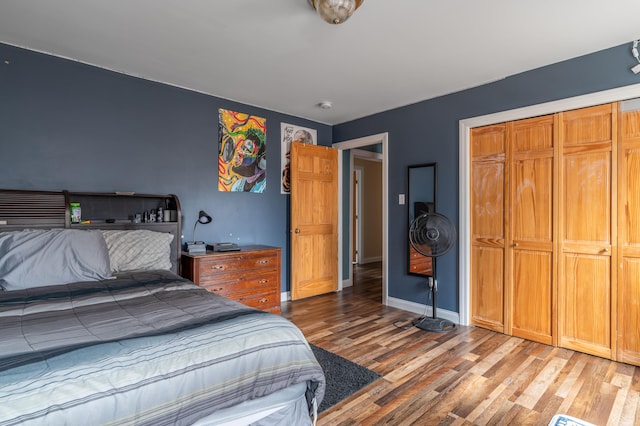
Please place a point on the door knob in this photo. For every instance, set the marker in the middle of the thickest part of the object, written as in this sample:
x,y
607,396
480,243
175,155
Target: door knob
x,y
297,231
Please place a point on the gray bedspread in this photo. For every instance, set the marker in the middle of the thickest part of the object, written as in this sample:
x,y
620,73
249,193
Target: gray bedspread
x,y
181,352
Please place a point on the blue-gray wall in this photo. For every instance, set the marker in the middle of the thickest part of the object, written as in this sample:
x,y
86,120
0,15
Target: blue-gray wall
x,y
428,132
65,125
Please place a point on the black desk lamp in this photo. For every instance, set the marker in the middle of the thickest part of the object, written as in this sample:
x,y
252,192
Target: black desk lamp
x,y
199,247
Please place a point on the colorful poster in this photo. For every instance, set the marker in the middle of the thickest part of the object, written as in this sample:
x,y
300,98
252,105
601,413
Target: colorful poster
x,y
290,133
242,155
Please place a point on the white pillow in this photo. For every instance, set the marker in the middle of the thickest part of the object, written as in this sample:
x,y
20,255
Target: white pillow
x,y
138,250
39,257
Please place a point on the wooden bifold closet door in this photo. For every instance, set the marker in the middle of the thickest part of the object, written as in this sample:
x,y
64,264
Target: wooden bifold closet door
x,y
531,254
555,203
488,226
513,229
586,284
628,319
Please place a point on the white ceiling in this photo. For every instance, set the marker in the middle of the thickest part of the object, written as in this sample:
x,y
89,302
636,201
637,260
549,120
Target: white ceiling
x,y
279,55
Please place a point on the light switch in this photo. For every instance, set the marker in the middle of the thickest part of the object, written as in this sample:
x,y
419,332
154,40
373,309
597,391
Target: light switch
x,y
401,199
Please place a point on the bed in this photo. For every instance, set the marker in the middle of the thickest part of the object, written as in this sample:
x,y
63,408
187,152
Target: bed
x,y
91,335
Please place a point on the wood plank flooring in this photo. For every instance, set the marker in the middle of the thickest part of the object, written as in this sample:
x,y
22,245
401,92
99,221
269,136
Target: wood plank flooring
x,y
469,376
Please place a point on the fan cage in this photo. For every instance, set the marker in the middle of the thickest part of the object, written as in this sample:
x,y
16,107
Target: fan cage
x,y
432,234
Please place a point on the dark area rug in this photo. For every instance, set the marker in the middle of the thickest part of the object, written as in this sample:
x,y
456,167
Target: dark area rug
x,y
343,377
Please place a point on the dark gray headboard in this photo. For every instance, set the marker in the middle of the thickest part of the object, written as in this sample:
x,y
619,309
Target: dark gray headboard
x,y
22,209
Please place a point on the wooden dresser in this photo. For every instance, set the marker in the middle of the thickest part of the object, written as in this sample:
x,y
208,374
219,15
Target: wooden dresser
x,y
250,276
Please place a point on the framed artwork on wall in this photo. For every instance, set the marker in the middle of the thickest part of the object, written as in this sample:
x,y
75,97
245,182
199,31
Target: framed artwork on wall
x,y
290,133
242,152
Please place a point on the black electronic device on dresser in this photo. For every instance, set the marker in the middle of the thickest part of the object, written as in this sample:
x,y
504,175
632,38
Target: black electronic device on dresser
x,y
222,247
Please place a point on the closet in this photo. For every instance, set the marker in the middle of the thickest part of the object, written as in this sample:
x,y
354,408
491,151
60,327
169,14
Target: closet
x,y
555,229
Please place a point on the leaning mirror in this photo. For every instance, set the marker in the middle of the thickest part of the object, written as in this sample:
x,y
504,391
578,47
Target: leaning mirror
x,y
421,199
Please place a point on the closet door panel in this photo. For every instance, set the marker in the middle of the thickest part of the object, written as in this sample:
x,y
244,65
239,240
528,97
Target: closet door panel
x,y
487,303
587,200
586,284
532,219
587,126
530,248
631,192
629,311
488,206
488,226
532,305
585,307
629,237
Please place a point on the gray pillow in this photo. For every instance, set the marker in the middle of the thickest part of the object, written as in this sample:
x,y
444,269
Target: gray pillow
x,y
35,258
138,250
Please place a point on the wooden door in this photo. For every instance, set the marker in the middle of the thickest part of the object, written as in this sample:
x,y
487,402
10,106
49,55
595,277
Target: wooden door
x,y
314,220
628,336
531,273
488,226
587,230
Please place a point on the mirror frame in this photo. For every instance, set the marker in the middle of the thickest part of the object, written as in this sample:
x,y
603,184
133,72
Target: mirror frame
x,y
410,208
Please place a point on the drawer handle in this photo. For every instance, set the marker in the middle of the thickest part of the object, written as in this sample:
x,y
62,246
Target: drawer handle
x,y
218,289
263,261
217,267
263,281
265,300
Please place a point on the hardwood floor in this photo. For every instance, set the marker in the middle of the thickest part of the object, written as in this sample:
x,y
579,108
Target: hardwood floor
x,y
469,376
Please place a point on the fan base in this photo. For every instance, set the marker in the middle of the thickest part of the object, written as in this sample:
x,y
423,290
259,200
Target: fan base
x,y
437,325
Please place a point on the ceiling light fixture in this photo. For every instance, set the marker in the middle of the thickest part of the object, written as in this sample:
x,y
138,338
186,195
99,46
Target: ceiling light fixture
x,y
325,104
335,11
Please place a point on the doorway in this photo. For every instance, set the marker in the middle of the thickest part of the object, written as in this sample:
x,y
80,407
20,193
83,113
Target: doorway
x,y
367,210
345,249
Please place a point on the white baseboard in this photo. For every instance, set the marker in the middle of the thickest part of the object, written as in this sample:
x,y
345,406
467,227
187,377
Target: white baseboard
x,y
419,309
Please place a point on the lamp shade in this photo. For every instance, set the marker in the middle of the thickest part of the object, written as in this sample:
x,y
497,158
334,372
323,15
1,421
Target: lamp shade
x,y
203,217
335,11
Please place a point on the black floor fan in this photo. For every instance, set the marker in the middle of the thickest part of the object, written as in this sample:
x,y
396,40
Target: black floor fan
x,y
432,235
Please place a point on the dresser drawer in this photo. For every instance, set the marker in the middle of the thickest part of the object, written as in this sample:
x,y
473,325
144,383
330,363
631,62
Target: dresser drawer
x,y
214,266
258,292
264,301
241,281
